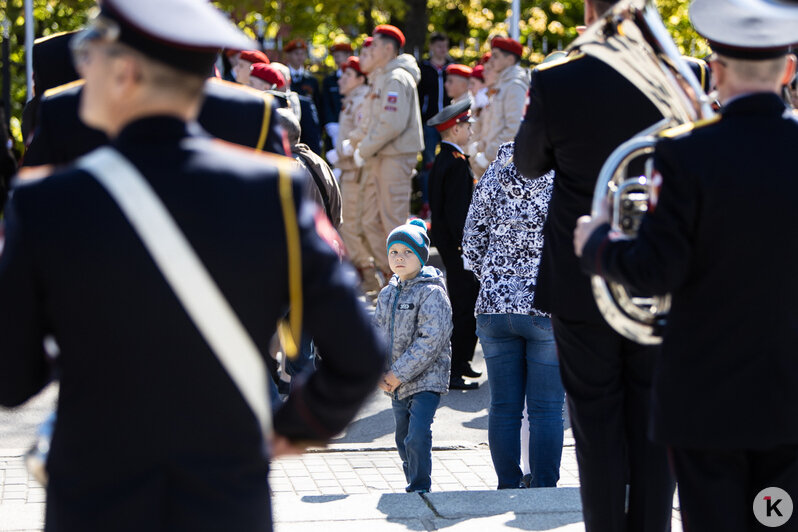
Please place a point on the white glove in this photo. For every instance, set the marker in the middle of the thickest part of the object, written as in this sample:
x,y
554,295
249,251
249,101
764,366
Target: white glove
x,y
359,160
482,160
347,148
332,130
481,99
471,149
337,172
332,157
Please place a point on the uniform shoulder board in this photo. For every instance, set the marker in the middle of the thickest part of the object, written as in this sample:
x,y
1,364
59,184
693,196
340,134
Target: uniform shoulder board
x,y
558,62
688,127
51,36
61,88
29,175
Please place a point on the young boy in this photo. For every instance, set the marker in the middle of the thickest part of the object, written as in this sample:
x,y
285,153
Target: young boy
x,y
451,184
413,312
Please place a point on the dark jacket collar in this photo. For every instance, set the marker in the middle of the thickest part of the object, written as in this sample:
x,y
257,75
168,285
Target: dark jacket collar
x,y
756,103
155,130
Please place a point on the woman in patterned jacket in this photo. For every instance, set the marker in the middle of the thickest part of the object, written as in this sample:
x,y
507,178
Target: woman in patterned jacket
x,y
502,242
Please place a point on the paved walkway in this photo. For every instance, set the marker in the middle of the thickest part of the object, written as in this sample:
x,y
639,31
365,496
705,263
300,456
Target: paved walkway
x,y
380,471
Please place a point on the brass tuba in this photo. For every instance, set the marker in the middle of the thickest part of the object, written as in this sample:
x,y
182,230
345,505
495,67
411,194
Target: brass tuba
x,y
632,39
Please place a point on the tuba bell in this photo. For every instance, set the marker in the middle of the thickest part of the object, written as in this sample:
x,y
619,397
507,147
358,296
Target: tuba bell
x,y
632,39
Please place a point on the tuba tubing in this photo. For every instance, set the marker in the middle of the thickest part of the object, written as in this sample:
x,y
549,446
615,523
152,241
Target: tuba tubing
x,y
632,39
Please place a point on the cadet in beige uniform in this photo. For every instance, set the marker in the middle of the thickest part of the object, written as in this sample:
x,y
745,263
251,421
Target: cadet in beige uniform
x,y
507,100
482,111
353,88
390,149
456,84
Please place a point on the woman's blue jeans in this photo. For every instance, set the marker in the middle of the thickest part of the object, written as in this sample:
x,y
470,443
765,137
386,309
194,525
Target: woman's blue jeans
x,y
521,360
413,417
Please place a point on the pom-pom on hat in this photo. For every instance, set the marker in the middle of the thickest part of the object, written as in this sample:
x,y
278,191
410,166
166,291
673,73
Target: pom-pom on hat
x,y
458,70
268,73
413,235
508,45
392,32
254,56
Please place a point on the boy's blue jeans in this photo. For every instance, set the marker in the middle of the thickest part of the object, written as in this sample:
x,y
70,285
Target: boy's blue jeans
x,y
521,359
413,417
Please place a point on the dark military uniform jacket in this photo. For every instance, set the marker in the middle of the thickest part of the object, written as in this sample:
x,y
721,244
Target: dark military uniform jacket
x,y
330,99
579,111
451,184
721,238
150,429
229,111
307,85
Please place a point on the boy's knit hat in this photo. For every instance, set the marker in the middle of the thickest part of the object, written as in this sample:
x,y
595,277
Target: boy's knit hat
x,y
413,235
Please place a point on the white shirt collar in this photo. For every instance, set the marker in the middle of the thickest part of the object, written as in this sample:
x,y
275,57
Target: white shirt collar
x,y
455,146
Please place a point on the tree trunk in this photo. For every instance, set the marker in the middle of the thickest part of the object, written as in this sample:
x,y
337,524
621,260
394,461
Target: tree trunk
x,y
414,27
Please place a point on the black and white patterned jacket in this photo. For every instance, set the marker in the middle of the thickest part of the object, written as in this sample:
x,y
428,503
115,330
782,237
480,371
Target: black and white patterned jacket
x,y
503,236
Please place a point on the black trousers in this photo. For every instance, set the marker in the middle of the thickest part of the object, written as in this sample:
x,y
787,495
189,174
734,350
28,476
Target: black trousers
x,y
463,290
717,487
607,381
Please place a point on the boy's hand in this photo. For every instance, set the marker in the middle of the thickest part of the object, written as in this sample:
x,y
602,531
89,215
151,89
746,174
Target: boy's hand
x,y
389,382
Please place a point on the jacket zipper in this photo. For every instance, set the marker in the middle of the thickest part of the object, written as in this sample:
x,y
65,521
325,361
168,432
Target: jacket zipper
x,y
393,317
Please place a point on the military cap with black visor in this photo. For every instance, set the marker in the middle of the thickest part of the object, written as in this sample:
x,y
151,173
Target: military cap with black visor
x,y
230,111
183,447
451,115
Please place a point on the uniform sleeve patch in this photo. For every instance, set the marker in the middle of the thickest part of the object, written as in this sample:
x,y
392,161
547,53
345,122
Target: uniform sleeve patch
x,y
393,97
391,108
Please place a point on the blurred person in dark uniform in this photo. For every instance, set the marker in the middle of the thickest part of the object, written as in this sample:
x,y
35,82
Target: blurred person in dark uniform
x,y
302,81
330,95
432,98
607,378
451,184
52,67
726,384
230,111
180,447
8,164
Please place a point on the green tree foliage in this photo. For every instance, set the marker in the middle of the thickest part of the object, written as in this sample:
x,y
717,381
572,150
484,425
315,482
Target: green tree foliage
x,y
546,25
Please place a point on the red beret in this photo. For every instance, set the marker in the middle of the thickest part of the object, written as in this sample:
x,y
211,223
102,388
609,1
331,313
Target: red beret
x,y
341,47
367,42
267,73
478,72
508,45
353,63
254,56
458,70
293,45
485,58
390,31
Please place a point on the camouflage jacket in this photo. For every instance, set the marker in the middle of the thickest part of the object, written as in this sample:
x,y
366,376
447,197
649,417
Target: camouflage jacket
x,y
416,318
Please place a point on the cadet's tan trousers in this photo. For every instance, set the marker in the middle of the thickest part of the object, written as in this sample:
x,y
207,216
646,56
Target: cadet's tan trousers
x,y
386,200
352,228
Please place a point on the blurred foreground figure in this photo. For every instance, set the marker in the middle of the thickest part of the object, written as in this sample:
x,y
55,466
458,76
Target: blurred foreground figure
x,y
727,380
154,430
